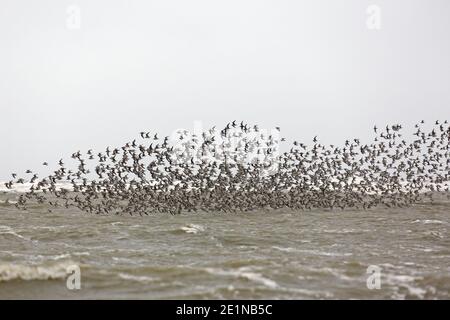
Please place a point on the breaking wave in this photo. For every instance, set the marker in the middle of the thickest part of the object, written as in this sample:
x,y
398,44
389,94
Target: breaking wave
x,y
59,270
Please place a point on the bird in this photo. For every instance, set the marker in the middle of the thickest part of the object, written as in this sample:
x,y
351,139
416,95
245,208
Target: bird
x,y
240,168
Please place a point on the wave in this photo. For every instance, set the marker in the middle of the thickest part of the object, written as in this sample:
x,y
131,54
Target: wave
x,y
7,202
428,221
9,272
313,252
142,279
11,231
193,228
26,187
242,168
245,274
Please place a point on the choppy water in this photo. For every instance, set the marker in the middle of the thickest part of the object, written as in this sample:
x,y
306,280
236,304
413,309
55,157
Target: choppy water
x,y
276,255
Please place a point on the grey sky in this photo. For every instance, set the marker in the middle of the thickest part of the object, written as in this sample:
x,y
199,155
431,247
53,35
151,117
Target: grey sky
x,y
312,67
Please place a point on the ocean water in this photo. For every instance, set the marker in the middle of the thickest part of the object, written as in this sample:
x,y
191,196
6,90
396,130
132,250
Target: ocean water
x,y
318,254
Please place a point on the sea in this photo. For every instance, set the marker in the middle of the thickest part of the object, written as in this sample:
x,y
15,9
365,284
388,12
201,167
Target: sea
x,y
381,253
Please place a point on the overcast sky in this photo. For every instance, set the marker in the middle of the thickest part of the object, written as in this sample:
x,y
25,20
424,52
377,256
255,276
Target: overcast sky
x,y
317,67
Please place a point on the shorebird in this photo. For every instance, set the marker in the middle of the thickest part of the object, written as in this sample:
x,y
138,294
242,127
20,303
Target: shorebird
x,y
240,168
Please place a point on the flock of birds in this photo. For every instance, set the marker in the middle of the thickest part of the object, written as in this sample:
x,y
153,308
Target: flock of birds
x,y
243,168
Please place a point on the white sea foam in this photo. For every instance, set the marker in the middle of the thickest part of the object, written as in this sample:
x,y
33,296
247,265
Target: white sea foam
x,y
193,228
285,249
426,221
7,201
48,228
345,231
11,231
10,272
406,282
25,187
314,252
244,273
